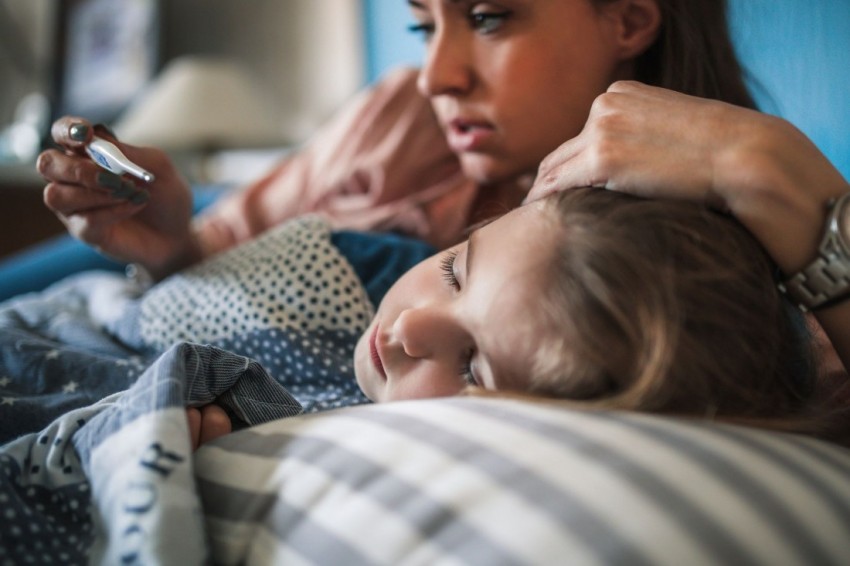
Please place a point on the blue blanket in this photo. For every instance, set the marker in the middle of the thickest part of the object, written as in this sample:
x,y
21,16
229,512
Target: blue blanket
x,y
96,373
96,464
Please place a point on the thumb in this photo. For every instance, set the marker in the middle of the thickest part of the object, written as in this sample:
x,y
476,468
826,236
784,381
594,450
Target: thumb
x,y
72,133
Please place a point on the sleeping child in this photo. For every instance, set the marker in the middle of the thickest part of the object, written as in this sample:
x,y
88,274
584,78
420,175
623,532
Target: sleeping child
x,y
593,297
597,298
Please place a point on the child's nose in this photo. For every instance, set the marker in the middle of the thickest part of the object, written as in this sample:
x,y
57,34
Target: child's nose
x,y
425,332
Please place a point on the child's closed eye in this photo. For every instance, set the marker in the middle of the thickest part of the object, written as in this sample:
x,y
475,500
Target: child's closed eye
x,y
447,265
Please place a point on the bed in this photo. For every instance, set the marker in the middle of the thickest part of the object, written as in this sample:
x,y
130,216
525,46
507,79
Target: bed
x,y
97,467
444,481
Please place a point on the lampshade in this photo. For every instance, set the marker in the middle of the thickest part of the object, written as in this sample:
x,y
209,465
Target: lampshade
x,y
201,104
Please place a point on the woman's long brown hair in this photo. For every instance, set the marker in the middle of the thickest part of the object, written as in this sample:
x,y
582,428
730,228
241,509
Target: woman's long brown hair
x,y
694,53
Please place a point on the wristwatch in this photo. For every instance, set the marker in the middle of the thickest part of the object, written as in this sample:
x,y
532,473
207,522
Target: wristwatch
x,y
826,280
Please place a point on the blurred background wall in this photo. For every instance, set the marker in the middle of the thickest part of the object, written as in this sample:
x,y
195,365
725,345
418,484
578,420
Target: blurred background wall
x,y
307,53
306,56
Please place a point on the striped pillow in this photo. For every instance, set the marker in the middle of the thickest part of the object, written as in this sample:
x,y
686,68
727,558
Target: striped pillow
x,y
496,481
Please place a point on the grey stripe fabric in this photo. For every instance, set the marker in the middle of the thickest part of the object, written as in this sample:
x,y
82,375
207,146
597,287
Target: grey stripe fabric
x,y
825,455
772,509
752,472
435,522
310,540
562,506
723,545
717,541
796,529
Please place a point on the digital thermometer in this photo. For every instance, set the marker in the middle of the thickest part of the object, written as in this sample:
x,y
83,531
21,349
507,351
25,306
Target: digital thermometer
x,y
108,156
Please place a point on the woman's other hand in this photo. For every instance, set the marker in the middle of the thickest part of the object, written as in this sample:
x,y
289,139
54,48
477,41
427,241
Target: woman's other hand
x,y
122,217
654,142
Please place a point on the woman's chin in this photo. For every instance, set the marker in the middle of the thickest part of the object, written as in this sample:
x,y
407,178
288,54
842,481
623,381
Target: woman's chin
x,y
487,170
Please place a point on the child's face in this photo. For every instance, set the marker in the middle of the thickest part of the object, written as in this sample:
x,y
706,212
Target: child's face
x,y
465,316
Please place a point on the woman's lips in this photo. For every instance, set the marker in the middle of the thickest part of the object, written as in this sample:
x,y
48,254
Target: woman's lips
x,y
468,135
376,356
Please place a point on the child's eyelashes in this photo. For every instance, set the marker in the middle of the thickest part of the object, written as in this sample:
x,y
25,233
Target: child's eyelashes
x,y
447,266
466,368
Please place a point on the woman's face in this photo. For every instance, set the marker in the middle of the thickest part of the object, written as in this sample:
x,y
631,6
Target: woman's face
x,y
466,316
510,80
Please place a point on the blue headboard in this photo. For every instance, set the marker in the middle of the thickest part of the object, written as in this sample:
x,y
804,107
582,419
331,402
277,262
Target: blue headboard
x,y
798,52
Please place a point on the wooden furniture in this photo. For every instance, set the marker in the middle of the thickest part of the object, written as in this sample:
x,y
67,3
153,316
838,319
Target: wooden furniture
x,y
24,220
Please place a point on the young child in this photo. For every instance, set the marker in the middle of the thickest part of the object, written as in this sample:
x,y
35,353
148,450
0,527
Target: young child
x,y
599,298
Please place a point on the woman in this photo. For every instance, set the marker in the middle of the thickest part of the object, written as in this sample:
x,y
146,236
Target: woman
x,y
506,83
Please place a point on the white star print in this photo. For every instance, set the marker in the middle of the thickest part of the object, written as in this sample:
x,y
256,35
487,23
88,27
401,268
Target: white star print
x,y
7,401
5,381
52,355
70,387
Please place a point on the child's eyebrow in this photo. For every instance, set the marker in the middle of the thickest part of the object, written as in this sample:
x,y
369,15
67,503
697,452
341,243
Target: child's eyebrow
x,y
480,224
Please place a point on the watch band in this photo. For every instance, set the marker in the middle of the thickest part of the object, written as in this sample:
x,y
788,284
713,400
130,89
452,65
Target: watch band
x,y
826,280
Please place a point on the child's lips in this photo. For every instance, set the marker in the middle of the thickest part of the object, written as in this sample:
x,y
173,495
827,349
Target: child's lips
x,y
375,353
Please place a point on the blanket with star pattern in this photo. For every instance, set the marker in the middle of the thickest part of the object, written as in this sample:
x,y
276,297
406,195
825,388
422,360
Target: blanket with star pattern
x,y
96,373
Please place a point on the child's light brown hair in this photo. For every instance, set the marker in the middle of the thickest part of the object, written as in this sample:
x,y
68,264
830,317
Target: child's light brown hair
x,y
668,307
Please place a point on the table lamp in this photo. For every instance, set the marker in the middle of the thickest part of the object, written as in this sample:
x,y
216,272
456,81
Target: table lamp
x,y
200,105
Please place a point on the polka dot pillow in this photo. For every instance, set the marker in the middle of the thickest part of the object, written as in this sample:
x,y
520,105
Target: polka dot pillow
x,y
291,277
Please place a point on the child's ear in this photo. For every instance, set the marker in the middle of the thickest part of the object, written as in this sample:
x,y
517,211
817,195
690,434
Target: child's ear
x,y
636,24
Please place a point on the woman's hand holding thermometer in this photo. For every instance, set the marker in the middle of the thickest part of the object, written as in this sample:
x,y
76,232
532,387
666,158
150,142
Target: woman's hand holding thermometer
x,y
108,156
145,221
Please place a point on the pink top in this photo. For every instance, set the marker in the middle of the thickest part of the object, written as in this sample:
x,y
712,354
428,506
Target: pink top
x,y
381,164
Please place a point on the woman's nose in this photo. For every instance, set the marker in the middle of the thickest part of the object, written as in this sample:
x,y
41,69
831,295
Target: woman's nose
x,y
425,332
447,68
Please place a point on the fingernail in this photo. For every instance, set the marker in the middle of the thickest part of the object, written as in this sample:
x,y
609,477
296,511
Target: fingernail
x,y
78,132
109,180
126,191
140,197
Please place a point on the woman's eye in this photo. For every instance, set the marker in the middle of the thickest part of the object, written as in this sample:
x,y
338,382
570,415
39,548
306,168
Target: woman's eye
x,y
487,22
447,266
423,30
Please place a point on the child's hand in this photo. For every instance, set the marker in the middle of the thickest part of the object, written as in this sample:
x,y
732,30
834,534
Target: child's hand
x,y
207,423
